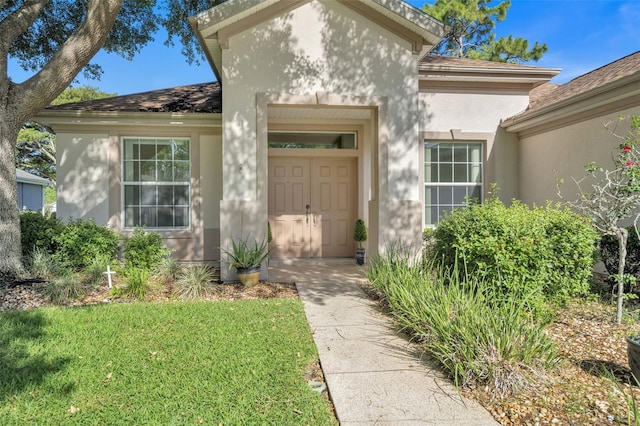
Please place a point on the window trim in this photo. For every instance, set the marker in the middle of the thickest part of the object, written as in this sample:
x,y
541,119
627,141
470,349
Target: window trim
x,y
124,183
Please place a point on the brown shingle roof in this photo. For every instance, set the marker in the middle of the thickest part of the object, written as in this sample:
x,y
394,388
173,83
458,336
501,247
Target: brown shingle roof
x,y
600,77
439,60
198,98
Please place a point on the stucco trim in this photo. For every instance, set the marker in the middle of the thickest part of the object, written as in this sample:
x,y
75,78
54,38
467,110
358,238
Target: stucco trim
x,y
68,121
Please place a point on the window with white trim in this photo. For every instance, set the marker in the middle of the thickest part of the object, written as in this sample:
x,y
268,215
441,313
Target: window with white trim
x,y
156,176
452,175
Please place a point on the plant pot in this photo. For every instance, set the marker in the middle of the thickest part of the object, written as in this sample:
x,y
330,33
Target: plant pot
x,y
249,276
633,354
360,257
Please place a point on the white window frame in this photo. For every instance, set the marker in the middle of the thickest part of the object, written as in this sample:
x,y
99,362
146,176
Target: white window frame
x,y
157,183
473,166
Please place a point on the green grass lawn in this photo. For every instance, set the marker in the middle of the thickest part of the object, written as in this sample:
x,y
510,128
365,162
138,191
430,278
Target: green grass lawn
x,y
227,363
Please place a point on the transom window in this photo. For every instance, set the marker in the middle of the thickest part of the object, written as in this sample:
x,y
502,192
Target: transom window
x,y
312,140
156,175
452,175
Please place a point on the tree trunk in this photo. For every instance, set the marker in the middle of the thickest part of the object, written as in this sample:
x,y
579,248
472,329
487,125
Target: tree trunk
x,y
10,247
623,235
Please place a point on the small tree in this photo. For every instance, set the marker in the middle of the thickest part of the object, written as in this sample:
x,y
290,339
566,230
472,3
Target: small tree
x,y
360,232
615,196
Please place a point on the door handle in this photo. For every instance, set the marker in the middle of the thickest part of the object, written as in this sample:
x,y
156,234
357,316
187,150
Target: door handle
x,y
307,213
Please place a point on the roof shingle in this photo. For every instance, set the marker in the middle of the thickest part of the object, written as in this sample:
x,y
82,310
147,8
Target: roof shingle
x,y
550,94
197,98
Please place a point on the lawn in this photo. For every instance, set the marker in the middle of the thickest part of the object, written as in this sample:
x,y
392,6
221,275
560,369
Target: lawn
x,y
226,362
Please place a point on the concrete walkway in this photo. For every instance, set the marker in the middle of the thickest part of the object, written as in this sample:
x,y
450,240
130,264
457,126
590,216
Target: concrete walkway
x,y
374,375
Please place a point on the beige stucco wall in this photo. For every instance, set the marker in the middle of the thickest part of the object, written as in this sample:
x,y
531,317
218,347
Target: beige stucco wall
x,y
474,115
211,189
83,176
89,184
322,47
564,152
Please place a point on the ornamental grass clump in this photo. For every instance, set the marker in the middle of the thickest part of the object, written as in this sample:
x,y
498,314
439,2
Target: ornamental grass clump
x,y
480,337
194,282
65,288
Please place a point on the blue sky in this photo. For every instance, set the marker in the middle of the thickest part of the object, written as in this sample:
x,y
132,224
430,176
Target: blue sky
x,y
581,35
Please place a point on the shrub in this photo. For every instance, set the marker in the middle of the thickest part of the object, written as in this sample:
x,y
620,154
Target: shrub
x,y
136,283
143,250
38,232
194,282
81,241
545,253
609,253
65,288
480,339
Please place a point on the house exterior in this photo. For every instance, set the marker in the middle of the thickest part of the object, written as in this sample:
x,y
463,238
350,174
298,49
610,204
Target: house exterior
x,y
324,111
30,191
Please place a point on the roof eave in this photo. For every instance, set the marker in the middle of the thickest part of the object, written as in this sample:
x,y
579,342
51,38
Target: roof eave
x,y
531,76
60,119
616,91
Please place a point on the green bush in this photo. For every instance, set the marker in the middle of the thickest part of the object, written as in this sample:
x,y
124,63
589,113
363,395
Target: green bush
x,y
480,339
143,250
136,283
81,241
546,253
38,232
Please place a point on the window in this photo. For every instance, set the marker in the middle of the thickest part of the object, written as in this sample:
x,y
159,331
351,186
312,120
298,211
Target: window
x,y
452,174
156,176
312,140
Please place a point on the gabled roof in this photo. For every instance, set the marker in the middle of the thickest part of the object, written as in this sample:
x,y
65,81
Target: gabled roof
x,y
24,177
608,83
197,98
214,26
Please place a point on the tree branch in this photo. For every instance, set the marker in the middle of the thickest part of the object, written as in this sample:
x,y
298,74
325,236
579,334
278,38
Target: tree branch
x,y
18,22
37,92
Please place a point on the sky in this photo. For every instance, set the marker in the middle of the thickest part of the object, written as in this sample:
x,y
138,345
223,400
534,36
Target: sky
x,y
581,35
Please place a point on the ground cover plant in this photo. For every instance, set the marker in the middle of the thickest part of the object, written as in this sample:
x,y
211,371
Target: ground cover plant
x,y
479,336
588,383
239,362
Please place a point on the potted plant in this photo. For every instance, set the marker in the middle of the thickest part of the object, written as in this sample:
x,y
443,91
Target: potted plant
x,y
360,235
247,258
633,354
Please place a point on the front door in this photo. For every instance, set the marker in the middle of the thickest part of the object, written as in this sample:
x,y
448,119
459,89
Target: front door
x,y
312,205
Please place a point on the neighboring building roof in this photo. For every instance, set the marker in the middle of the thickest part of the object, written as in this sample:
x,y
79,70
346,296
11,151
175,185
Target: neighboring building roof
x,y
197,98
24,177
608,77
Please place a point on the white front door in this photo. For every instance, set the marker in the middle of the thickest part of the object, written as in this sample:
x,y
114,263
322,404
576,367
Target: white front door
x,y
312,205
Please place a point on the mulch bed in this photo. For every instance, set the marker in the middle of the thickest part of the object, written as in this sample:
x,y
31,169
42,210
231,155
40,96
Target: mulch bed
x,y
592,383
